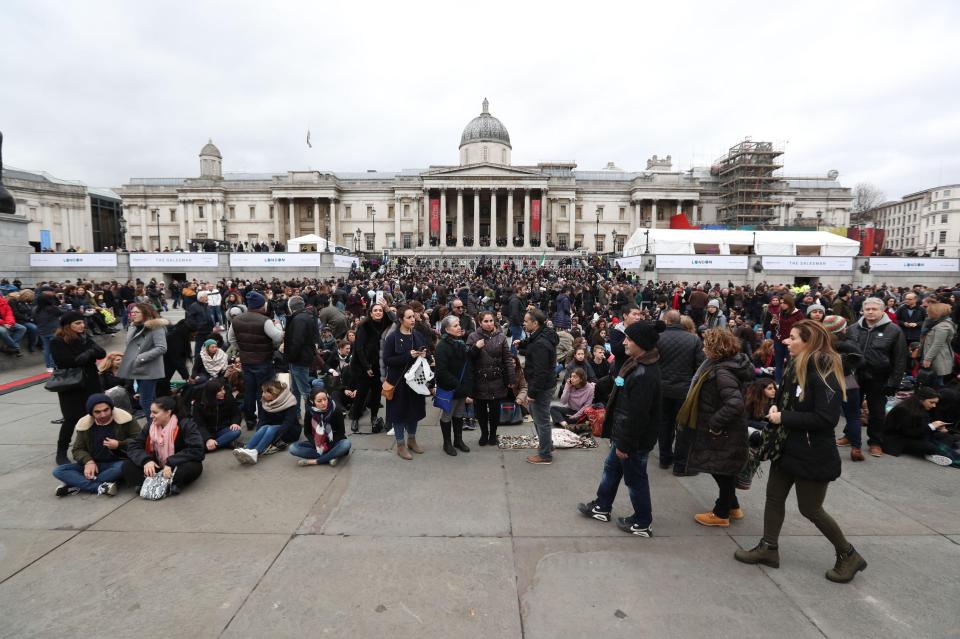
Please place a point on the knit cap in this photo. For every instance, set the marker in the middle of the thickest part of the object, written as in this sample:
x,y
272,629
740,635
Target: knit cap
x,y
645,334
98,398
255,300
835,323
815,307
70,317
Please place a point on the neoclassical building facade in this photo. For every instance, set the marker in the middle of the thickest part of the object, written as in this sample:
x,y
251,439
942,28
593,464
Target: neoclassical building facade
x,y
482,203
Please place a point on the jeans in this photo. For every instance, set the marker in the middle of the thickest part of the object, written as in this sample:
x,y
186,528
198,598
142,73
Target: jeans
x,y
399,428
300,378
633,472
216,314
779,359
254,375
176,300
669,407
11,335
148,392
31,335
308,451
264,436
72,475
47,357
851,413
540,409
516,332
225,436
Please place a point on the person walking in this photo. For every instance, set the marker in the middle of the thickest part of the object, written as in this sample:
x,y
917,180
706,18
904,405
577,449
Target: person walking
x,y
454,372
494,373
143,357
48,314
681,354
255,337
633,415
715,420
406,408
540,357
365,368
807,409
72,347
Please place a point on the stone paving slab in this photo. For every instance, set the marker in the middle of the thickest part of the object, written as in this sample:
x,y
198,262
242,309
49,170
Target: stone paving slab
x,y
909,589
32,428
14,456
108,584
19,548
385,587
658,587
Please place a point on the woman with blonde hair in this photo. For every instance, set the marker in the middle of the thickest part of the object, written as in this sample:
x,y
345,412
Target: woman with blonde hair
x,y
688,325
937,354
807,409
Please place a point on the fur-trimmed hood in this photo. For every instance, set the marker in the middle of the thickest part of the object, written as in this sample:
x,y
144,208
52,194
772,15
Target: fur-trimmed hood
x,y
120,416
156,323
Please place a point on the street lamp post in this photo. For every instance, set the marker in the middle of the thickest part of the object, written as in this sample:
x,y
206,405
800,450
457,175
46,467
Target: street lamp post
x,y
613,240
157,213
819,218
596,240
223,223
374,212
646,251
123,231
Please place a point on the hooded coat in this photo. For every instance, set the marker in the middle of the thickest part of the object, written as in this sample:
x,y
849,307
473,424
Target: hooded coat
x,y
146,344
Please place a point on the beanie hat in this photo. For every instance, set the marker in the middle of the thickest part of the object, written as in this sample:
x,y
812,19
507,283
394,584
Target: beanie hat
x,y
835,323
296,304
70,317
815,307
209,342
98,398
714,303
255,300
645,334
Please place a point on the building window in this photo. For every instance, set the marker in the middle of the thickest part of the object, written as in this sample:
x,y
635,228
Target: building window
x,y
253,211
406,210
200,212
155,215
271,211
579,212
347,240
946,193
563,211
943,218
233,212
173,215
623,213
943,236
407,240
174,242
390,211
945,205
562,241
390,242
659,214
599,243
346,211
369,239
940,253
483,154
370,211
252,237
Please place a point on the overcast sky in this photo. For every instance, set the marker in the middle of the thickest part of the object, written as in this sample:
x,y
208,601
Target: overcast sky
x,y
105,91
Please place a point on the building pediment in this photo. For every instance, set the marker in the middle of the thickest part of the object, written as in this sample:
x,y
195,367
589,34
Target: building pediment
x,y
482,171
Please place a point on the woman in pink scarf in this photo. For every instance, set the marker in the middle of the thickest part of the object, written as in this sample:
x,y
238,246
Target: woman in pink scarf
x,y
166,446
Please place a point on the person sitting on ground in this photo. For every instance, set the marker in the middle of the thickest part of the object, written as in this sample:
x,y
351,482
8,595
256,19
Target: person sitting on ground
x,y
580,359
909,428
217,415
278,425
98,449
577,393
166,445
326,439
600,363
211,361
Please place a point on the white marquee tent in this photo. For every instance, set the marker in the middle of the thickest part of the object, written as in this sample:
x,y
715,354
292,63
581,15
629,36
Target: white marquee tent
x,y
308,243
712,242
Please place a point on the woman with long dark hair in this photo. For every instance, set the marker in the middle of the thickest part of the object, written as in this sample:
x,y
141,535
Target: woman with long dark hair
x,y
910,428
365,367
494,373
218,415
143,357
405,410
165,445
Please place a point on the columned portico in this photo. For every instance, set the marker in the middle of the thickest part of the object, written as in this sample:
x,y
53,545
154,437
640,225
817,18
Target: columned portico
x,y
492,241
526,218
459,230
476,218
510,228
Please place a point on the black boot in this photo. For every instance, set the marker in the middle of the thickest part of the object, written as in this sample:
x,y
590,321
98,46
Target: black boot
x,y
376,424
484,434
492,439
63,443
447,445
458,435
62,455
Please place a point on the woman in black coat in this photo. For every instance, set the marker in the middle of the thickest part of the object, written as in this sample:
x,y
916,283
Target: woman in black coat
x,y
365,368
72,347
719,438
493,374
807,410
454,373
148,454
217,415
401,348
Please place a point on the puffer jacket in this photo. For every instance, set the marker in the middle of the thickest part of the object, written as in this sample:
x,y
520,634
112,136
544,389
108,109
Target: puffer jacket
x,y
493,369
884,351
452,361
810,450
681,353
936,346
540,353
633,410
146,344
719,444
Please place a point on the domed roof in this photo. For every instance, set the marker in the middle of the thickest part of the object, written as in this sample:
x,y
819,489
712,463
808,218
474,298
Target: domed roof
x,y
210,149
485,128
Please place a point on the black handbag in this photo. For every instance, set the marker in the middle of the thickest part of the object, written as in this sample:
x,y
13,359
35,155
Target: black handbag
x,y
64,379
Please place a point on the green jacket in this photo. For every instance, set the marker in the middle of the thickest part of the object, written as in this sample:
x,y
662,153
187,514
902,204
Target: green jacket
x,y
127,429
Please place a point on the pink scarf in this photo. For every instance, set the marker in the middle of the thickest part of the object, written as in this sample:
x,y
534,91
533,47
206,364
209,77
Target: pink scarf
x,y
162,439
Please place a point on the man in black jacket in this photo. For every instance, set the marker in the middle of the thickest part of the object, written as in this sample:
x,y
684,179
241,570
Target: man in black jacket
x,y
681,353
515,308
300,346
631,313
633,414
200,321
540,353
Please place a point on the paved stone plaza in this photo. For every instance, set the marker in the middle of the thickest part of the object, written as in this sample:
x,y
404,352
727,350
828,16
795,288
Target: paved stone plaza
x,y
481,545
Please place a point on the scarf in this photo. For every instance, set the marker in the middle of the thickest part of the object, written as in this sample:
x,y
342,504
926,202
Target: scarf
x,y
216,364
281,402
688,413
322,432
160,443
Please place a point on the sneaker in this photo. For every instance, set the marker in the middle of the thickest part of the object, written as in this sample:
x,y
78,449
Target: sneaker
x,y
246,455
537,459
527,418
275,447
593,511
626,525
469,424
390,432
856,454
710,519
843,441
63,490
876,451
939,460
107,488
49,370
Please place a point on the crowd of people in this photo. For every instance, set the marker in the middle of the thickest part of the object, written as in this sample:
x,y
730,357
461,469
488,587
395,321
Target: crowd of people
x,y
717,378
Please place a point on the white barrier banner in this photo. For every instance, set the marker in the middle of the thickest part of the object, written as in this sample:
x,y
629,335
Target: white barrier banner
x,y
806,263
345,261
703,262
193,260
631,262
73,260
919,264
274,260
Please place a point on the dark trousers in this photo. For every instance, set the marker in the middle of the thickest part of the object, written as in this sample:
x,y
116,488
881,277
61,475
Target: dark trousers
x,y
368,396
488,416
559,413
254,376
669,407
810,496
876,398
187,473
727,498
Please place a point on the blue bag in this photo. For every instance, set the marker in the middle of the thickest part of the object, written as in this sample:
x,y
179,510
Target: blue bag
x,y
444,398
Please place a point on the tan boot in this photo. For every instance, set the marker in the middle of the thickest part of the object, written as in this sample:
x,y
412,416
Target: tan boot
x,y
403,453
412,445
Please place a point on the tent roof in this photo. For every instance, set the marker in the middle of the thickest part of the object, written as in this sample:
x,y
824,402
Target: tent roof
x,y
681,242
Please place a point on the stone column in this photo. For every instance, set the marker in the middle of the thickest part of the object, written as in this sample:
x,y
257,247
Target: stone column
x,y
424,230
213,217
442,231
332,223
316,216
459,231
637,213
510,218
476,218
182,218
493,217
653,214
526,218
291,213
572,212
144,230
679,207
397,212
276,219
543,220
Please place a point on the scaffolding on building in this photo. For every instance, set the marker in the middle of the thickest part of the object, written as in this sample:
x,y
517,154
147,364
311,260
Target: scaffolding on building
x,y
750,189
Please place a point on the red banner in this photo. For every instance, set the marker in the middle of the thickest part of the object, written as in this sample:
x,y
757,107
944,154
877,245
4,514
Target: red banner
x,y
435,218
535,217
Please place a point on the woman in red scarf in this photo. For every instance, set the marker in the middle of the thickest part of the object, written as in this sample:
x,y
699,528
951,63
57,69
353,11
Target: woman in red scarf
x,y
164,446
